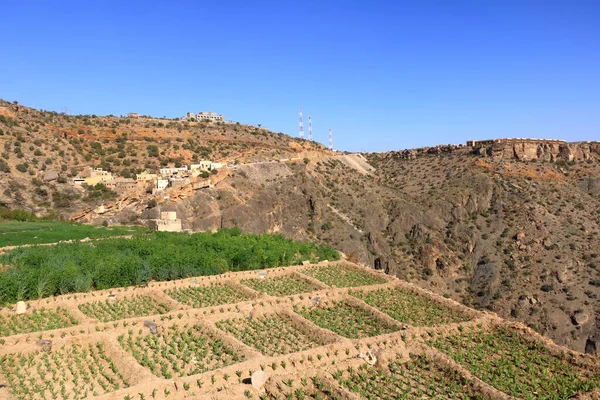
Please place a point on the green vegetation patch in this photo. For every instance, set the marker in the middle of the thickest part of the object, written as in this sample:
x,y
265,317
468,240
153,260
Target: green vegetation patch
x,y
343,275
419,378
347,320
285,285
516,366
18,233
211,295
179,351
410,308
75,372
111,310
272,335
37,272
35,321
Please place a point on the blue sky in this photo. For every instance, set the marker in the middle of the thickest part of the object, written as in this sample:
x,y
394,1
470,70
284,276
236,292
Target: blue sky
x,y
383,75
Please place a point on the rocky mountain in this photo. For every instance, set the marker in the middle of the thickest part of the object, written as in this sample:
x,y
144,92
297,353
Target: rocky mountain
x,y
508,226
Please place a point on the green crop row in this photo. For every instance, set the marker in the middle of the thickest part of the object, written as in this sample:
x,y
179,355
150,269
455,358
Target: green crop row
x,y
35,321
343,275
179,351
409,308
76,372
37,272
346,320
419,378
110,310
517,366
271,335
214,294
285,285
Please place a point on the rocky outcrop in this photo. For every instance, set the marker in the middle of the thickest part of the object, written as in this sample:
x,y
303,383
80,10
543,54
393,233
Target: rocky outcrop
x,y
551,151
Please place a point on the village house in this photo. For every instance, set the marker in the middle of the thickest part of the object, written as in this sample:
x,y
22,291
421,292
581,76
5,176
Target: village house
x,y
172,171
121,185
202,166
160,184
145,176
93,176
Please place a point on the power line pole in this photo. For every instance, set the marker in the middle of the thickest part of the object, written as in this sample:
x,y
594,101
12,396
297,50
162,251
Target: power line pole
x,y
330,140
309,127
301,132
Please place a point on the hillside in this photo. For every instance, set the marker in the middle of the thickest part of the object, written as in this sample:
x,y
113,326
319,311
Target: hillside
x,y
41,151
318,331
511,227
518,238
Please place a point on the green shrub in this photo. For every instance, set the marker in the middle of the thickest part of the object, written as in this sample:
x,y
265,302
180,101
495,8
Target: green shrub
x,y
23,167
547,288
4,167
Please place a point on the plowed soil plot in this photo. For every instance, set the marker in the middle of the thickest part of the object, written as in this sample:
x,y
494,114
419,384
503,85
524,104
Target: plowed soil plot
x,y
343,275
301,389
346,320
211,295
272,335
179,351
38,320
419,378
517,366
401,305
285,285
74,372
111,310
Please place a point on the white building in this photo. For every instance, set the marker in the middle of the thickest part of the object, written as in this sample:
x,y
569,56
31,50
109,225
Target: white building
x,y
162,184
202,166
203,115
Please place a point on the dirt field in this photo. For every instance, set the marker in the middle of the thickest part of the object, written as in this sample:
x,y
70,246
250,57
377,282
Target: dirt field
x,y
329,330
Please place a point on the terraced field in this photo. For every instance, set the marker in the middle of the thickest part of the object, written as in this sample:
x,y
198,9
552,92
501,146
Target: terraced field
x,y
326,331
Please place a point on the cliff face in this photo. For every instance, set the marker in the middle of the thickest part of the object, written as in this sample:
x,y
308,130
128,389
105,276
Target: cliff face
x,y
519,149
528,150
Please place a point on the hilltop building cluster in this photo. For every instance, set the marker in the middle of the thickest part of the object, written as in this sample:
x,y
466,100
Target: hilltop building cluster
x,y
149,181
203,116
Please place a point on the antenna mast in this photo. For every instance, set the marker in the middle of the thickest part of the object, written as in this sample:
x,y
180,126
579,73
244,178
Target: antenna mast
x,y
301,132
309,127
330,140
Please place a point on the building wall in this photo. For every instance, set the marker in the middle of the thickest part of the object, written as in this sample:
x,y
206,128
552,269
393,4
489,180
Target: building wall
x,y
202,165
93,180
146,177
169,171
166,225
168,215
